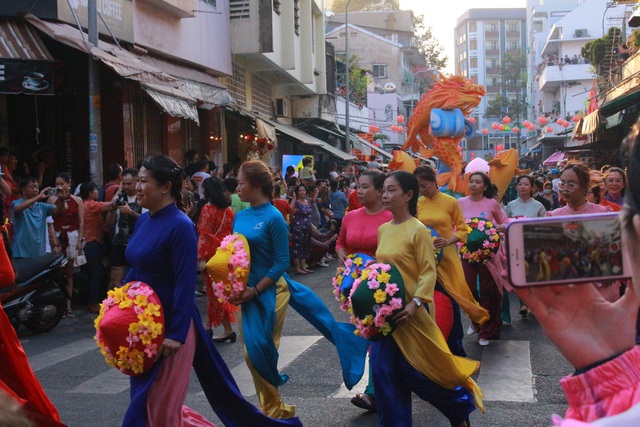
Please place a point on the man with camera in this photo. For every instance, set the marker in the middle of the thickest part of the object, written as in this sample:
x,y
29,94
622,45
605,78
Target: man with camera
x,y
123,220
30,219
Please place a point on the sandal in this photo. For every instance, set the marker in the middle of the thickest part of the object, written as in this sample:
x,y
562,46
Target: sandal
x,y
524,310
364,401
69,312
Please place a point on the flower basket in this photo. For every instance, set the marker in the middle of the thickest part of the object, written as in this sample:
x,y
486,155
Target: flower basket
x,y
229,267
434,235
483,241
130,328
345,276
376,296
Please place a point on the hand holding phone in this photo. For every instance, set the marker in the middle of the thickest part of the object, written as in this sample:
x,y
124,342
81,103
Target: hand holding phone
x,y
565,250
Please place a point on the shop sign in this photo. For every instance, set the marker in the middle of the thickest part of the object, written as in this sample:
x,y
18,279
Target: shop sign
x,y
117,14
26,76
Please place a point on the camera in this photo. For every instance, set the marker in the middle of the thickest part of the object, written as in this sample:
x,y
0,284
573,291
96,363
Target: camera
x,y
121,200
52,192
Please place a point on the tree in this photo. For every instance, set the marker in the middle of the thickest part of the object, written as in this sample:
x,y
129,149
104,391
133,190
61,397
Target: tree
x,y
428,44
365,5
513,81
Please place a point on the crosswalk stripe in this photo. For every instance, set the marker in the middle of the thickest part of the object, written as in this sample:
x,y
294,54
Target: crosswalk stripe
x,y
290,348
109,382
344,393
505,372
60,354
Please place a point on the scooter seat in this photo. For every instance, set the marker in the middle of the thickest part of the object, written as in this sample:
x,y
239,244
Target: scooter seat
x,y
26,268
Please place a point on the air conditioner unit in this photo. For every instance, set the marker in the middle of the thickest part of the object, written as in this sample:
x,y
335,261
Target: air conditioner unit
x,y
581,33
282,107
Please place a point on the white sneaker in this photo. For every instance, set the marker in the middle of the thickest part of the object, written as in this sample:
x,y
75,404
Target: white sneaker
x,y
483,342
472,330
323,264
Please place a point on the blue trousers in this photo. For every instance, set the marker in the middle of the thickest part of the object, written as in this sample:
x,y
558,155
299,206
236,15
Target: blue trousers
x,y
394,379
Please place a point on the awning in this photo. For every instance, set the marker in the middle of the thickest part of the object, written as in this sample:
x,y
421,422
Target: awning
x,y
305,138
553,159
25,63
591,122
173,101
119,60
620,103
376,148
196,83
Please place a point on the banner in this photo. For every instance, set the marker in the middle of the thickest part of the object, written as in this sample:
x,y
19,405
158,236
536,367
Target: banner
x,y
28,77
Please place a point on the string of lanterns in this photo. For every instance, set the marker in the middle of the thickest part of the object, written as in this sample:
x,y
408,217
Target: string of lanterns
x,y
256,146
543,122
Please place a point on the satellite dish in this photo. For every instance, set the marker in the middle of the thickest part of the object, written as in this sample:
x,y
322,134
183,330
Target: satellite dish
x,y
390,87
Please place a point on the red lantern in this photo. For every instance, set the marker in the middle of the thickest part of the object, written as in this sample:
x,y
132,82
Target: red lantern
x,y
506,120
472,119
501,127
250,137
473,154
565,124
261,142
499,147
526,123
400,129
494,126
270,146
515,129
542,120
575,118
372,128
549,129
400,118
560,121
485,131
531,127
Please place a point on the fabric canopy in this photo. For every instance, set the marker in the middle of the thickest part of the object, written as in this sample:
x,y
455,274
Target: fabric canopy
x,y
553,159
173,101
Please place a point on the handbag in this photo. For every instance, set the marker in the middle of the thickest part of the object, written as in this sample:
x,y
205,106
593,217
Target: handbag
x,y
80,259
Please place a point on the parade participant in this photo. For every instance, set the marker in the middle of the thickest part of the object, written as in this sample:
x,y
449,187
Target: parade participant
x,y
215,223
93,236
480,203
359,234
17,379
525,206
269,291
605,384
573,185
442,212
300,229
162,253
416,358
69,228
614,184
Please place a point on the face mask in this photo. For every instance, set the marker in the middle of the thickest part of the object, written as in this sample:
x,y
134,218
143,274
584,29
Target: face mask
x,y
547,191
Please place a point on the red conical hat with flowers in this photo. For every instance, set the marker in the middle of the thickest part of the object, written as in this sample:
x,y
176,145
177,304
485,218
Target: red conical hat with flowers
x,y
130,328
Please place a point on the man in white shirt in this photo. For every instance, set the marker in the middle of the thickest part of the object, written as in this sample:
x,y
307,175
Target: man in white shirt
x,y
200,176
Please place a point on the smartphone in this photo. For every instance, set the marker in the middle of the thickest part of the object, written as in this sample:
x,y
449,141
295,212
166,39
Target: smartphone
x,y
565,250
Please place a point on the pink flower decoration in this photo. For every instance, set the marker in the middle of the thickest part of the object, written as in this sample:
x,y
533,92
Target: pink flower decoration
x,y
151,350
391,289
373,284
395,303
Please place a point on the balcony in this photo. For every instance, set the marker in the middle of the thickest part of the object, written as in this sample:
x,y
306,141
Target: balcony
x,y
492,89
553,76
492,52
491,34
492,71
513,35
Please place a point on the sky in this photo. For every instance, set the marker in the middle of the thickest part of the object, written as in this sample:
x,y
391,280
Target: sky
x,y
444,19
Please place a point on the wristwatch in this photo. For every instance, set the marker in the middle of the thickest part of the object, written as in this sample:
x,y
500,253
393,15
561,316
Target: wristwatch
x,y
417,301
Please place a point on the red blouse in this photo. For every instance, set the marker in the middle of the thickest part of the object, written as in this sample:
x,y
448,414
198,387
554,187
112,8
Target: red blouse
x,y
214,224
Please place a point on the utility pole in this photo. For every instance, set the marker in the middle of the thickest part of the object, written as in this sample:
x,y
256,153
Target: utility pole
x,y
347,101
95,123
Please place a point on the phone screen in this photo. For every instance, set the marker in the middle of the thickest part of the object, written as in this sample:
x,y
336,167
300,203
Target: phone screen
x,y
575,249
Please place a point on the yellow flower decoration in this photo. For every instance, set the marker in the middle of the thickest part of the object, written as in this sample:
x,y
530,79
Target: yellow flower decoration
x,y
384,277
380,296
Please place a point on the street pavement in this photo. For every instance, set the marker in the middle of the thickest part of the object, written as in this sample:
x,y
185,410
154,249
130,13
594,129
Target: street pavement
x,y
519,373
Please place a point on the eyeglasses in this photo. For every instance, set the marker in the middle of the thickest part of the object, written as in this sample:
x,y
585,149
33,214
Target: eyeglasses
x,y
568,185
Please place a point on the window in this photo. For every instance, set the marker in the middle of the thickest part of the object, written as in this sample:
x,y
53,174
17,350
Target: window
x,y
494,81
492,26
211,2
380,70
512,27
473,44
494,63
238,9
513,45
261,95
494,45
473,62
473,26
237,85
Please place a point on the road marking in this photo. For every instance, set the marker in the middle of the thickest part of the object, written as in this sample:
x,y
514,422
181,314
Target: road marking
x,y
290,348
109,382
344,393
60,354
505,372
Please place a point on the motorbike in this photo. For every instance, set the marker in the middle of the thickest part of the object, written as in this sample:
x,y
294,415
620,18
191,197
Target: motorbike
x,y
38,299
